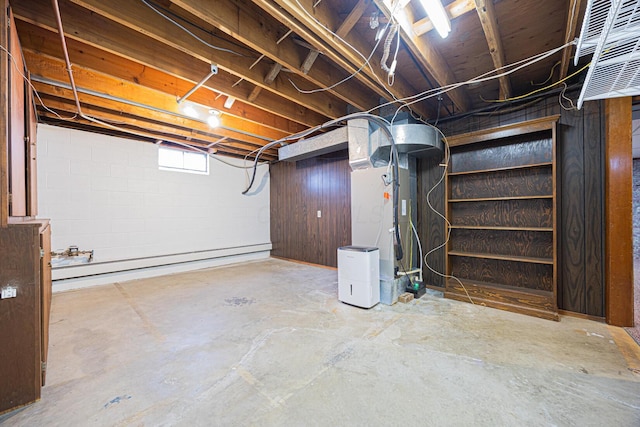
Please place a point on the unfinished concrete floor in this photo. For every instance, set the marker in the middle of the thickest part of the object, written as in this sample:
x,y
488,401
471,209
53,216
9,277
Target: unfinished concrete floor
x,y
268,343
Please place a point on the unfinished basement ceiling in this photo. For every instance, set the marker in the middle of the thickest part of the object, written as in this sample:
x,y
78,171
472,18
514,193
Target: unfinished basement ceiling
x,y
132,60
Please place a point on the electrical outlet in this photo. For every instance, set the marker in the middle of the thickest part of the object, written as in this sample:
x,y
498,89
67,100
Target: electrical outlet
x,y
9,292
319,214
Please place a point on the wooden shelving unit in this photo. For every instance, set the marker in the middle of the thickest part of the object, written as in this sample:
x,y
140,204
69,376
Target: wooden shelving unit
x,y
501,203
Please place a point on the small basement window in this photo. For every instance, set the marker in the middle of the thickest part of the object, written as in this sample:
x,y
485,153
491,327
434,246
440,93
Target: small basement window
x,y
172,159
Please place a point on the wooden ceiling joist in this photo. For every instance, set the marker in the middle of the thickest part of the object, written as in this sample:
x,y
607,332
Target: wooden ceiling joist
x,y
135,16
91,29
55,70
40,42
429,58
309,61
352,19
573,14
180,124
487,15
317,35
261,34
142,132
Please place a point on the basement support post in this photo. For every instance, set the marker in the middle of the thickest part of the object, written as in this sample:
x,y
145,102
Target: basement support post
x,y
618,216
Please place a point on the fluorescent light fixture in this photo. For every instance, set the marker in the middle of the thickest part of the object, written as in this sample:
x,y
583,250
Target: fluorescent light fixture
x,y
228,103
214,119
438,16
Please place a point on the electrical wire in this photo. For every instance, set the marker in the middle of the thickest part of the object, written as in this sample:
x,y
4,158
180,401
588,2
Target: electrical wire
x,y
548,78
415,232
101,122
445,166
516,98
343,41
186,30
562,96
387,50
489,75
28,81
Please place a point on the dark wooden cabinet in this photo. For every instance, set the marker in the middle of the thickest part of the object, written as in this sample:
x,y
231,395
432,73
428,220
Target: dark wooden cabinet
x,y
501,204
24,266
25,248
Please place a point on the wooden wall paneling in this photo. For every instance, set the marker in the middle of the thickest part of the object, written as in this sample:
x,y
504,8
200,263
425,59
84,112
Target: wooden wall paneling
x,y
310,244
17,126
618,200
431,227
4,115
572,241
594,209
299,190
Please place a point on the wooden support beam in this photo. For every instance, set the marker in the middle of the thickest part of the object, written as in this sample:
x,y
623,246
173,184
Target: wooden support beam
x,y
254,93
42,42
55,70
273,73
454,9
309,61
618,212
428,57
95,31
352,19
53,96
138,17
487,15
260,32
289,13
573,14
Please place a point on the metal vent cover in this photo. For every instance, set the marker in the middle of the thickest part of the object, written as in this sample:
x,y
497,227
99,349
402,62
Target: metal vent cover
x,y
611,32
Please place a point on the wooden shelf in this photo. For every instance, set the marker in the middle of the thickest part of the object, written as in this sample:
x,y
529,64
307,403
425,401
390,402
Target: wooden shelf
x,y
490,227
489,199
497,286
506,168
497,180
531,302
516,258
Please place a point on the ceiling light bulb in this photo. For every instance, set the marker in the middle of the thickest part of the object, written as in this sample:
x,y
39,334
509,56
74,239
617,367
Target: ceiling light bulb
x,y
438,16
190,111
213,120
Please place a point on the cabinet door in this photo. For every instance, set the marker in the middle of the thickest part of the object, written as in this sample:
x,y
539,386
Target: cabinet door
x,y
20,334
45,283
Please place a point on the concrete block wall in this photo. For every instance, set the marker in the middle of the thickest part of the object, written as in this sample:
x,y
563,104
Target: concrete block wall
x,y
108,194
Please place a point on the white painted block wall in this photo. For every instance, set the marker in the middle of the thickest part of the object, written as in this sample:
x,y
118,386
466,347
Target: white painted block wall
x,y
108,194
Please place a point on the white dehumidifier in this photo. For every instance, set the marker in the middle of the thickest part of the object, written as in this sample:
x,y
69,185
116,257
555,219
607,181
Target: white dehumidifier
x,y
359,276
